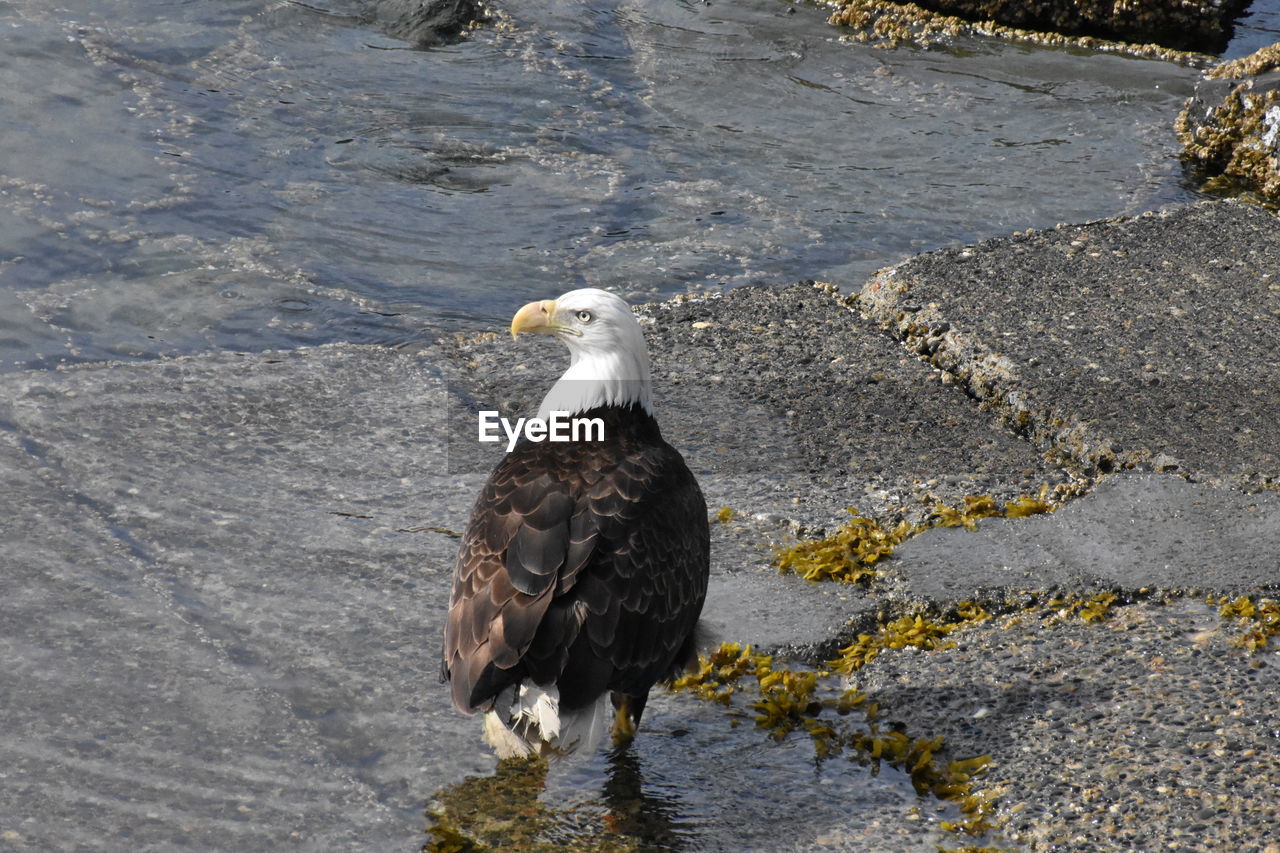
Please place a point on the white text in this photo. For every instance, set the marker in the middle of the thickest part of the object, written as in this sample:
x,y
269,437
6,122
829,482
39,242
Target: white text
x,y
558,427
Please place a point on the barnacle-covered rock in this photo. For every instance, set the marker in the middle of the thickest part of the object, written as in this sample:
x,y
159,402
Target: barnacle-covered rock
x,y
1160,28
1230,128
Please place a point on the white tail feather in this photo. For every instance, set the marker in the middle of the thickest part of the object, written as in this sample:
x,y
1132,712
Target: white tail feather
x,y
527,721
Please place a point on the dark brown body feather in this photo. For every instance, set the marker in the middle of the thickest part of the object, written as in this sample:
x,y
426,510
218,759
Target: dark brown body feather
x,y
584,566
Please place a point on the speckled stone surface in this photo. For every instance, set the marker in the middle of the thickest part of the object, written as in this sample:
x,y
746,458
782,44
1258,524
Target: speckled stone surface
x,y
1152,341
875,427
1149,731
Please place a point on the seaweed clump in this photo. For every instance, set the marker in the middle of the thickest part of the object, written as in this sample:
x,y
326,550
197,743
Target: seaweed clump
x,y
1093,609
848,555
920,631
851,553
1263,615
810,701
716,678
975,507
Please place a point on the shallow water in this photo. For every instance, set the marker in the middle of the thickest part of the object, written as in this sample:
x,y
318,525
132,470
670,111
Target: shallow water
x,y
1257,28
181,177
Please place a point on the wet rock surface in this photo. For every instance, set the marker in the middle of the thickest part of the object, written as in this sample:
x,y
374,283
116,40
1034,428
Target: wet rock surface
x,y
225,575
213,571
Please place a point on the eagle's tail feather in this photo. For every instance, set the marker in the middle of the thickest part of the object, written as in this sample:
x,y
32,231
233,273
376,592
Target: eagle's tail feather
x,y
527,720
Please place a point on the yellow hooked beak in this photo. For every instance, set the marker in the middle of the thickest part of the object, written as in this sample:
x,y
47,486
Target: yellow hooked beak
x,y
538,318
534,319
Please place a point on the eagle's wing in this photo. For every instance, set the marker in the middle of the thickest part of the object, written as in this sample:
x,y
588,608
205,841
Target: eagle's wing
x,y
578,568
651,566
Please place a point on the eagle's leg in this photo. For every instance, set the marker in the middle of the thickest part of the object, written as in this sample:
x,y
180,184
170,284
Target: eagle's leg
x,y
626,717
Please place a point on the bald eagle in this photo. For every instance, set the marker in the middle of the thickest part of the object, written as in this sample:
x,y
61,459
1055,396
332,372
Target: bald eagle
x,y
583,569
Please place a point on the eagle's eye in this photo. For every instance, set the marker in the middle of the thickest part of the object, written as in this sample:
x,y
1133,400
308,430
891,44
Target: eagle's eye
x,y
584,316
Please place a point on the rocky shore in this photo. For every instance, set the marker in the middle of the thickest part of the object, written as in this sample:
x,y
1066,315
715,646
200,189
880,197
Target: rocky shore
x,y
225,571
1134,364
1037,477
1123,370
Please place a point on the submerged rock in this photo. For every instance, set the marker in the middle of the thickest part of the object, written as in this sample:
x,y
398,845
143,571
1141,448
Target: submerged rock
x,y
1230,128
427,22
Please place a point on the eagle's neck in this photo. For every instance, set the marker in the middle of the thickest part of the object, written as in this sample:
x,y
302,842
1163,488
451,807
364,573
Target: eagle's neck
x,y
618,377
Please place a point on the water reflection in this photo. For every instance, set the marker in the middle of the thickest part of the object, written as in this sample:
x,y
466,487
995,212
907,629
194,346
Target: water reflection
x,y
637,814
505,811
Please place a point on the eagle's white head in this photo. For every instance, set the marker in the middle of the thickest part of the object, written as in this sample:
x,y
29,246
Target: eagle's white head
x,y
608,359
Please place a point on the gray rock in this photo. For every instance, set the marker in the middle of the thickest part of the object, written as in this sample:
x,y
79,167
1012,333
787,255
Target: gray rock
x,y
1135,531
1113,343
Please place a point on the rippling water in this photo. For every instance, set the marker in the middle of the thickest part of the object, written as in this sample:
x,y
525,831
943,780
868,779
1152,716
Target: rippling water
x,y
180,177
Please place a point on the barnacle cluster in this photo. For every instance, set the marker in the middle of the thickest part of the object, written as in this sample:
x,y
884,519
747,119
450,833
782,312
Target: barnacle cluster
x,y
1258,62
1262,617
1234,143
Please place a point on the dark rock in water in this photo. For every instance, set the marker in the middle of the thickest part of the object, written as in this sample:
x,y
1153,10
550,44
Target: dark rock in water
x,y
1190,25
1230,128
427,22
